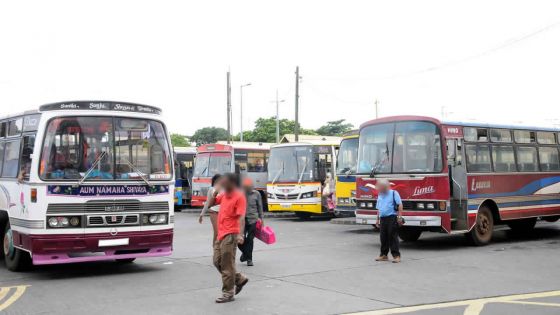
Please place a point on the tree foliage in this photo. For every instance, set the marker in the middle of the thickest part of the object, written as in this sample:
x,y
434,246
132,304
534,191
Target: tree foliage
x,y
334,128
265,130
209,135
178,140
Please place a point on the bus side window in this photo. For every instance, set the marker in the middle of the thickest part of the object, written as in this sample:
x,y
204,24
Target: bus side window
x,y
11,159
26,156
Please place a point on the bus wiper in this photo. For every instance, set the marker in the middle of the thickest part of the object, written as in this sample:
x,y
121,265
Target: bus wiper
x,y
280,171
302,172
92,167
138,171
380,163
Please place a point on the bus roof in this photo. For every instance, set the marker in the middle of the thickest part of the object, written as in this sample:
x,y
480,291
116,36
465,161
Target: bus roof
x,y
299,144
351,134
313,139
456,123
101,105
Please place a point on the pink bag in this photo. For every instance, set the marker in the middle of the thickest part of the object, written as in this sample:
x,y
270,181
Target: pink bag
x,y
265,234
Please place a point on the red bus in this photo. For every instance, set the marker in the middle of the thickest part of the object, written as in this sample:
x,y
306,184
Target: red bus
x,y
460,177
245,158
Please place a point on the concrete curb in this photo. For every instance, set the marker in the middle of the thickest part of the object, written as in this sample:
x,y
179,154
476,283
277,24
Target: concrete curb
x,y
344,221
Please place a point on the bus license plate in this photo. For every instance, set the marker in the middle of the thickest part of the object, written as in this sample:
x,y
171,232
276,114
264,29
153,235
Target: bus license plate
x,y
115,242
286,205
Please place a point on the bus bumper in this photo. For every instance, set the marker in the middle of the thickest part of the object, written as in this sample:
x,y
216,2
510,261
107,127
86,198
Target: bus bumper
x,y
198,201
345,209
370,217
295,207
74,248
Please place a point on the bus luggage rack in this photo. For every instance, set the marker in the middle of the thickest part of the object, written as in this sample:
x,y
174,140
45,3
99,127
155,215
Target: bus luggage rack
x,y
105,206
113,220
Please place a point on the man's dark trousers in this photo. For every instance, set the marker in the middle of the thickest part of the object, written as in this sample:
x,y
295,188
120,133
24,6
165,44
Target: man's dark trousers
x,y
247,246
389,234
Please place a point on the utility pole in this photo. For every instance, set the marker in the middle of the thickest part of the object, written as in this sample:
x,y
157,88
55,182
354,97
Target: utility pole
x,y
241,109
228,101
376,109
278,101
296,131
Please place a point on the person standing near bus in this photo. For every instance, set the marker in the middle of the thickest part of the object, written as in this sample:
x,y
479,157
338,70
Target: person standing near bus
x,y
389,217
211,210
254,213
231,221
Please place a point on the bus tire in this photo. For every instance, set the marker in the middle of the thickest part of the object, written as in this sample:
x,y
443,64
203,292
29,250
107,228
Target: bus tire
x,y
15,258
303,215
481,233
408,234
522,225
551,219
125,261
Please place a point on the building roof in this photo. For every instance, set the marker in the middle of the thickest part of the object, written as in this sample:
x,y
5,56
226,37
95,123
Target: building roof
x,y
311,139
247,145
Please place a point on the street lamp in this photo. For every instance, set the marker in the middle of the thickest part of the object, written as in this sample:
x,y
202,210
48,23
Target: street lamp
x,y
277,101
241,107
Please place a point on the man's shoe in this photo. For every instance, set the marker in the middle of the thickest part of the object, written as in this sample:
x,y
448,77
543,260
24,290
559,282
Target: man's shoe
x,y
242,258
382,258
240,286
225,299
396,260
250,263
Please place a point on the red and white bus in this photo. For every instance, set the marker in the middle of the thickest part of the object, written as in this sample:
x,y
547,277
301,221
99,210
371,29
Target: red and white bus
x,y
85,181
460,177
245,158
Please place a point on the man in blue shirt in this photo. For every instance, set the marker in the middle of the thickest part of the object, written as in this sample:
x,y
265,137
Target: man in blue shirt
x,y
389,209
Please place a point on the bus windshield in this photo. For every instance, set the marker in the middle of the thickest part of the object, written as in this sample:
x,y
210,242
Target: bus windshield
x,y
347,157
210,164
290,164
105,148
401,147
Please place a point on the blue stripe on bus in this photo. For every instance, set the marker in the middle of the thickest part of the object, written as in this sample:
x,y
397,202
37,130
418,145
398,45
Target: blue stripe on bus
x,y
346,179
526,190
522,204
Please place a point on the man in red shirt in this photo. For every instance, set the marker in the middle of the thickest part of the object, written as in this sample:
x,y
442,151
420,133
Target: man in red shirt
x,y
231,221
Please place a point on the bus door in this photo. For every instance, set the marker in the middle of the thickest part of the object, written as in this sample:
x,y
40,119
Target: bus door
x,y
457,184
323,164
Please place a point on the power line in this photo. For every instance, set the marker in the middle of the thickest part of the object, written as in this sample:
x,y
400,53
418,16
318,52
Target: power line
x,y
508,43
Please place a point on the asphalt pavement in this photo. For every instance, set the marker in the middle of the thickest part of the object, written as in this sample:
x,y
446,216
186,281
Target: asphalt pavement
x,y
314,268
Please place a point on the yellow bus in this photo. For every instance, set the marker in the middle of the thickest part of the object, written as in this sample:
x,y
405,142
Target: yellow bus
x,y
347,161
296,172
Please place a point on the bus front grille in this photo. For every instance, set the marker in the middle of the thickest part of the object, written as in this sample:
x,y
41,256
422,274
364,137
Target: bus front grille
x,y
113,220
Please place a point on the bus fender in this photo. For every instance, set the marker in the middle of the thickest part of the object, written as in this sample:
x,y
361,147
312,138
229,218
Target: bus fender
x,y
493,207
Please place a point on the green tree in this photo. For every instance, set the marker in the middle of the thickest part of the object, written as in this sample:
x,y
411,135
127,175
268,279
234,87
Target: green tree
x,y
178,140
334,128
265,130
209,135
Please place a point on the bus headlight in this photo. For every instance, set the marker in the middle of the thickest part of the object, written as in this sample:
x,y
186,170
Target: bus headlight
x,y
63,222
269,195
430,206
195,192
421,205
157,219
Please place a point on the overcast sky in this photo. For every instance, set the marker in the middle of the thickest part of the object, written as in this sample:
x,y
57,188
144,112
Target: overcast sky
x,y
495,61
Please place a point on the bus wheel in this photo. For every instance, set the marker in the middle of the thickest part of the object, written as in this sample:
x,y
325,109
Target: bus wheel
x,y
522,225
303,215
16,259
408,234
125,261
481,233
551,219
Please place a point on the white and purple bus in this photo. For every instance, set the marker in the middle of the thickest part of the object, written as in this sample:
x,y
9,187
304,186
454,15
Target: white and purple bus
x,y
85,181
